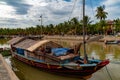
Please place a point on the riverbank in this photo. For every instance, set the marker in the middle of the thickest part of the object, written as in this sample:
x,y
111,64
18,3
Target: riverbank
x,y
80,38
6,72
110,38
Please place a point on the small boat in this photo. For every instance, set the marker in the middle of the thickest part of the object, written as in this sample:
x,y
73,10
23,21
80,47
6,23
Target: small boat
x,y
112,42
50,56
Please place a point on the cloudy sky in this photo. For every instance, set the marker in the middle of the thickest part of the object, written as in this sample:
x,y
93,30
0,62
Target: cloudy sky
x,y
26,13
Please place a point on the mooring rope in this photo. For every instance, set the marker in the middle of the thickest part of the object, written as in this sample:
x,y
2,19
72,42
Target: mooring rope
x,y
108,73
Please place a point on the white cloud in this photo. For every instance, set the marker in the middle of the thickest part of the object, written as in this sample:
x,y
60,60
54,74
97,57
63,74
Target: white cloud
x,y
36,2
112,7
53,11
3,3
111,2
6,11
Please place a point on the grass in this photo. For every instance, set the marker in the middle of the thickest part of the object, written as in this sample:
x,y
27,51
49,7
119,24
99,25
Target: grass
x,y
5,53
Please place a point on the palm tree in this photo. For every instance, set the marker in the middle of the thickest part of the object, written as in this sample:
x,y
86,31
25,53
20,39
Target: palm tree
x,y
87,22
75,23
101,14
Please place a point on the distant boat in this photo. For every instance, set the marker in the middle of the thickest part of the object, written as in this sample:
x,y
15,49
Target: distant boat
x,y
50,56
112,42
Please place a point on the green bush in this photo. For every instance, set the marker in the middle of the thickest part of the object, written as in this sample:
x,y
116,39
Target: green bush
x,y
5,53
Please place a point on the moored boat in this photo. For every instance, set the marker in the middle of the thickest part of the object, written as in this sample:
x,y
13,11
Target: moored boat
x,y
50,56
112,42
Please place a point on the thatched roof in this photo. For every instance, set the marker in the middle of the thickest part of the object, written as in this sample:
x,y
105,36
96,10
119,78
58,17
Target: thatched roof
x,y
25,43
15,40
31,45
39,43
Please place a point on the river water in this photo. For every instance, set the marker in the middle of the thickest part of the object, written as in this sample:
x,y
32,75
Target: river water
x,y
94,49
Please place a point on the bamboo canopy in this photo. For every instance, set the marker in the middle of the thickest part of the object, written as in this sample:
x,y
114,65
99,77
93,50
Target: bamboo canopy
x,y
38,44
25,43
15,40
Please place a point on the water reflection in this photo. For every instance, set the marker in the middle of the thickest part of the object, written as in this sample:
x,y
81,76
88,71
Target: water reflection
x,y
102,51
3,43
26,72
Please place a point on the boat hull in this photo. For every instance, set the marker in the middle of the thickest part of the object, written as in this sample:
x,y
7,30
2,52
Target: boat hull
x,y
112,42
58,69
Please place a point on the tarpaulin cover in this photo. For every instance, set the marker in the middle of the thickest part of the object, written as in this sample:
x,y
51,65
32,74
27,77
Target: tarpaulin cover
x,y
60,51
20,51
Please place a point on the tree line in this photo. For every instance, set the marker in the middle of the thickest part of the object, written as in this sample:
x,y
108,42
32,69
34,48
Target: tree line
x,y
71,27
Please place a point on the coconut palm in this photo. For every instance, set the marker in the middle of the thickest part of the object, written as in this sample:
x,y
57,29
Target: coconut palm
x,y
75,23
87,22
101,14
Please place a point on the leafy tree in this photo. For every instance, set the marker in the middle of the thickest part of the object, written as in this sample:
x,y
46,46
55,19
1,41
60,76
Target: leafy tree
x,y
117,24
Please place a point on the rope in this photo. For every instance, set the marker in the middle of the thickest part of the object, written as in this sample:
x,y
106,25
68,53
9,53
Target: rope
x,y
108,73
92,9
72,9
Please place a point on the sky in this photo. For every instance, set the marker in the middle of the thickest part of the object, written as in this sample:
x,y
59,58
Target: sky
x,y
26,13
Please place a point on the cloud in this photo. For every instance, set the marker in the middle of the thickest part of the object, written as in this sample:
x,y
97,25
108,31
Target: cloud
x,y
20,7
26,13
6,9
111,2
112,8
54,12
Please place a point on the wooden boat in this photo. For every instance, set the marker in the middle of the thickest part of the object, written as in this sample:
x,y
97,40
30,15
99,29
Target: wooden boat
x,y
50,56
